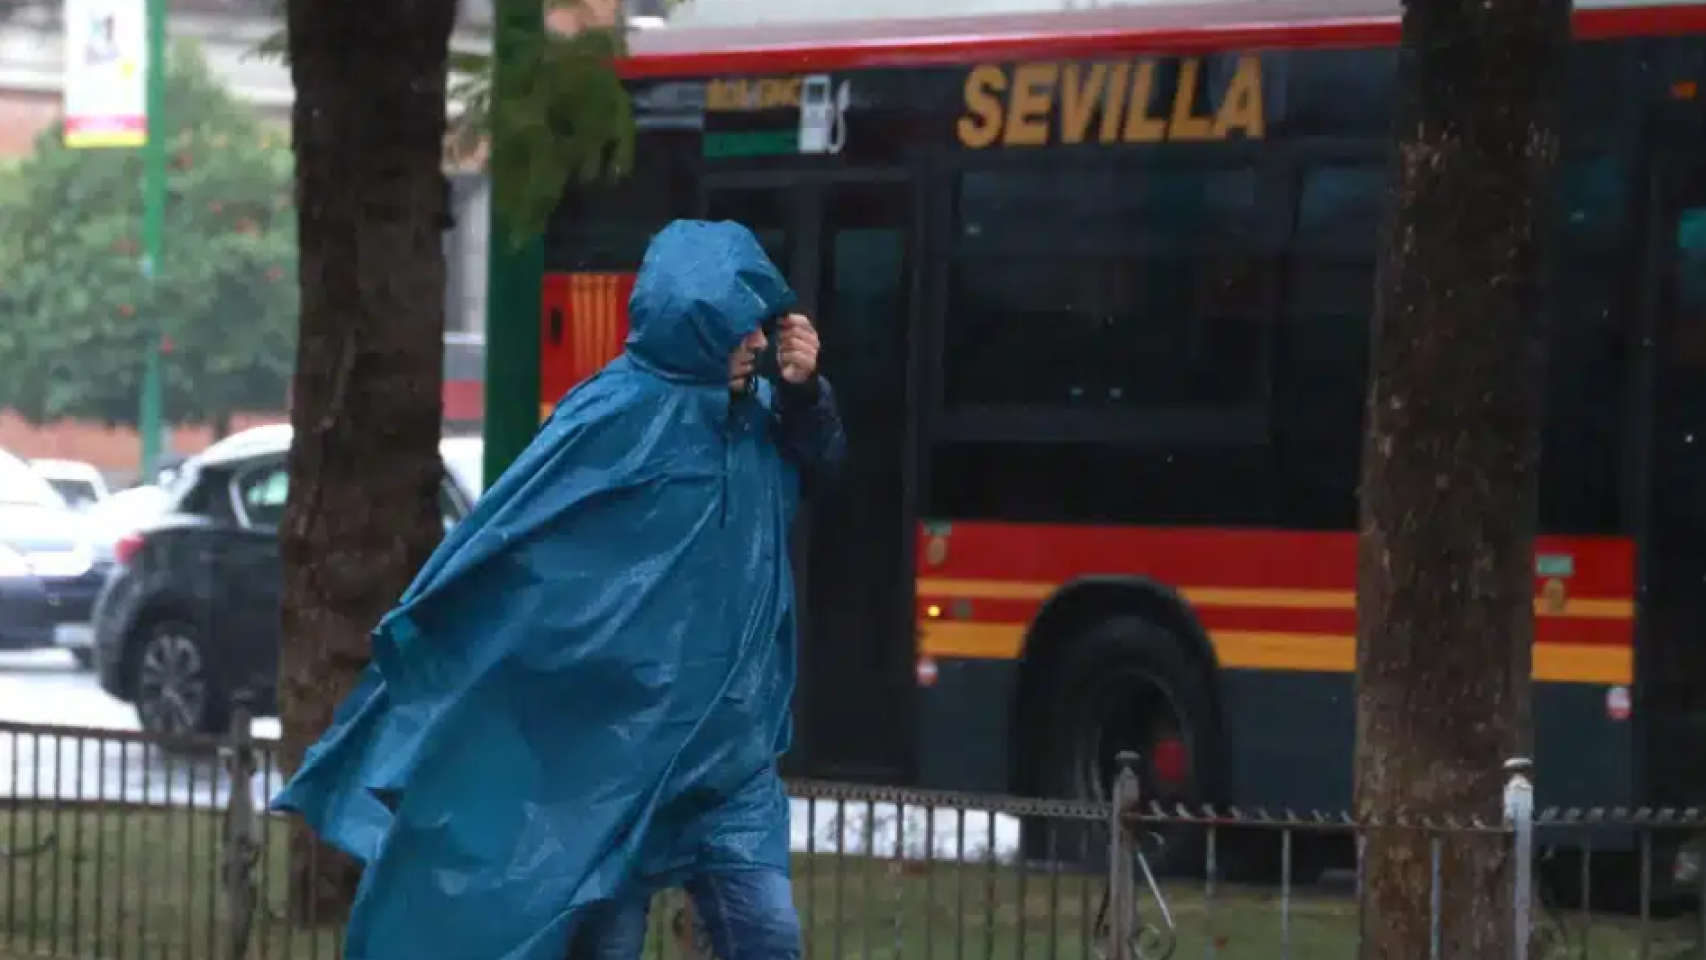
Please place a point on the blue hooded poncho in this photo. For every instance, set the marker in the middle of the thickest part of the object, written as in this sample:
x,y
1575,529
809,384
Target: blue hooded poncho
x,y
583,694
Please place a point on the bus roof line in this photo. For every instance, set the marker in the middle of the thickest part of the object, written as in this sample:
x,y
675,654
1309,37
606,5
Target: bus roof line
x,y
1126,29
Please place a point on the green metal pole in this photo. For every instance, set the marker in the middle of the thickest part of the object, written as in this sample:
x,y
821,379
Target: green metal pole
x,y
150,413
514,277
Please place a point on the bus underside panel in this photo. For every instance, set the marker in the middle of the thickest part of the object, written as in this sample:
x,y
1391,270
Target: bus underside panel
x,y
1294,736
1290,738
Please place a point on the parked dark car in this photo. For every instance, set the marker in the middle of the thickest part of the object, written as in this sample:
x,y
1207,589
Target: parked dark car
x,y
190,614
50,573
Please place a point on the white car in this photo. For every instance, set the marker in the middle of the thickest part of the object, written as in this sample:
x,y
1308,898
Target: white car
x,y
123,512
464,458
49,574
80,485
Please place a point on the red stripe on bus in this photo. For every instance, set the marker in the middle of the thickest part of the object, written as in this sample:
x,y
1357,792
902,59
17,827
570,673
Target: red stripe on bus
x,y
1597,568
797,58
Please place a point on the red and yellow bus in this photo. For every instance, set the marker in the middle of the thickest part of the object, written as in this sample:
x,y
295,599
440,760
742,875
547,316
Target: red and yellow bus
x,y
1094,290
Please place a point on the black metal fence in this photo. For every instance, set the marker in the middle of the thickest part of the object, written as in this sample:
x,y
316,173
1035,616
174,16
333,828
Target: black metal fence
x,y
118,845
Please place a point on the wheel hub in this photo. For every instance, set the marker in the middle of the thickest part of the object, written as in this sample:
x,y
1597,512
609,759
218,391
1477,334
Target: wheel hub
x,y
1130,712
171,688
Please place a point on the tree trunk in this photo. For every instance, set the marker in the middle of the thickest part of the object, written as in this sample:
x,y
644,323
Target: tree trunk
x,y
1449,492
369,123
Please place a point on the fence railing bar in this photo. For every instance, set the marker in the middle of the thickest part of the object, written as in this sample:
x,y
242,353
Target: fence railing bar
x,y
100,865
1056,877
1436,904
35,830
811,875
76,932
929,884
123,840
1646,943
840,880
1211,870
989,881
1518,805
1022,892
10,846
960,885
897,884
241,843
142,915
867,879
187,915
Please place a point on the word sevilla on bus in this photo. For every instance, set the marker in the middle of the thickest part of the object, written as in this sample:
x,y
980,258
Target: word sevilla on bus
x,y
1036,104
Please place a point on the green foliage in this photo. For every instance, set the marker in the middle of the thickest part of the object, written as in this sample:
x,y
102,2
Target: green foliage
x,y
556,112
75,310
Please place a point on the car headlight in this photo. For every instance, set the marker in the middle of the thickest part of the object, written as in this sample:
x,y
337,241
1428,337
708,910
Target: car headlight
x,y
12,564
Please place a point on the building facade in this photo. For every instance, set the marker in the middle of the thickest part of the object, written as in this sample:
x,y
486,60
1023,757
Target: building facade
x,y
32,46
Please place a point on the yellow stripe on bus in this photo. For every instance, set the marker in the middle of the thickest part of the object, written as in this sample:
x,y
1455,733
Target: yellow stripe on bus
x,y
1587,608
1295,652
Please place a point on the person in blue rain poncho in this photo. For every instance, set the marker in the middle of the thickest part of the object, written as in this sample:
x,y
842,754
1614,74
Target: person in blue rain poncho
x,y
582,697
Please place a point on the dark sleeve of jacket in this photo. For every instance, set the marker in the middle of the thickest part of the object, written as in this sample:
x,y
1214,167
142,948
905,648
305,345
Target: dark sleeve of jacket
x,y
809,431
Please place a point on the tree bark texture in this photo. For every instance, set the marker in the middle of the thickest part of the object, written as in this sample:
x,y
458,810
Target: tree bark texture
x,y
363,515
1449,481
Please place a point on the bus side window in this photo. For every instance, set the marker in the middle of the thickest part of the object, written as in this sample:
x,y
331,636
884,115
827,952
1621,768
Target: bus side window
x,y
1116,289
1590,301
1680,467
1105,345
1321,379
1691,265
1323,362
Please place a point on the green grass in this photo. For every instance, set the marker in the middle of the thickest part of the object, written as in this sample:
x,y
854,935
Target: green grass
x,y
142,884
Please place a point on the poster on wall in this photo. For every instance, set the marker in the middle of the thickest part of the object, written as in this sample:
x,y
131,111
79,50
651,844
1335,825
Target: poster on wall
x,y
106,70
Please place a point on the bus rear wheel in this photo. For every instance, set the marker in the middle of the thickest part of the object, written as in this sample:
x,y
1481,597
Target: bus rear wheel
x,y
1127,686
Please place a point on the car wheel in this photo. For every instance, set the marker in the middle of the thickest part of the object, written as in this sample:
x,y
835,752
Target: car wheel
x,y
85,658
175,693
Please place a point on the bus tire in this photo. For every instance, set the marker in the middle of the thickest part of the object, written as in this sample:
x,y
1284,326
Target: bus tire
x,y
1127,684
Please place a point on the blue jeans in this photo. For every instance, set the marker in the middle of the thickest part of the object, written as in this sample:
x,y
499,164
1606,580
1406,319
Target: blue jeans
x,y
747,915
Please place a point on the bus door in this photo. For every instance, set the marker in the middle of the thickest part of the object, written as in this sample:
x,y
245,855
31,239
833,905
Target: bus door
x,y
847,244
1672,656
